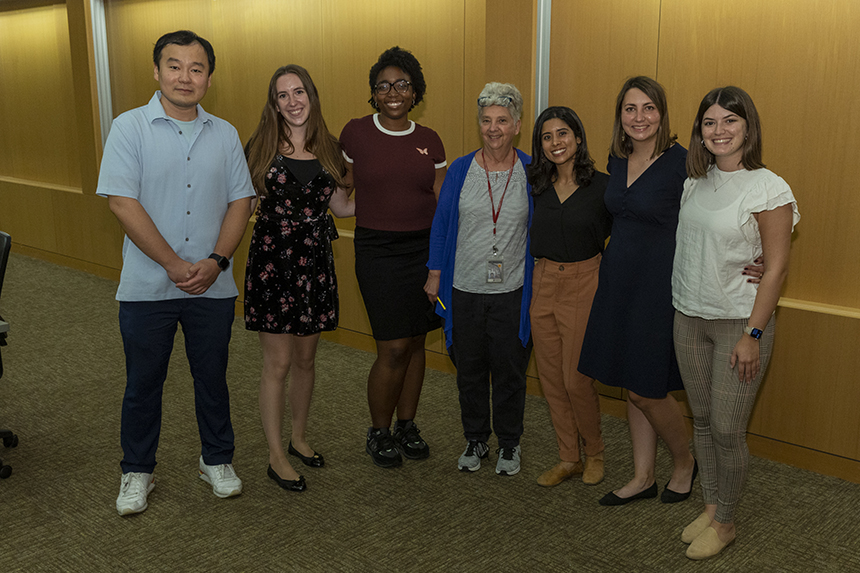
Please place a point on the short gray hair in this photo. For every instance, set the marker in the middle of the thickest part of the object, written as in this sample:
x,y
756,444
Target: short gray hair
x,y
505,95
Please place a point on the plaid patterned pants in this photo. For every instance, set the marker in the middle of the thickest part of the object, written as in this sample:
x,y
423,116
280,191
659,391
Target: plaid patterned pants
x,y
721,404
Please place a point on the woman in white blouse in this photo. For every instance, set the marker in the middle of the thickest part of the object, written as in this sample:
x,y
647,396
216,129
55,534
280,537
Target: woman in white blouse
x,y
733,210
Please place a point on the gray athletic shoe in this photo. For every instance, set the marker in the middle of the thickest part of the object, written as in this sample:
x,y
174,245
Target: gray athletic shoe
x,y
509,461
470,461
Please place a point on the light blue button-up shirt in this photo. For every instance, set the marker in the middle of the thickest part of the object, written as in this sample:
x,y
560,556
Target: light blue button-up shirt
x,y
185,188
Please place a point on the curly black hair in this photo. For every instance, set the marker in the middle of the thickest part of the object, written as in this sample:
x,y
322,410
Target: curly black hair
x,y
403,59
541,171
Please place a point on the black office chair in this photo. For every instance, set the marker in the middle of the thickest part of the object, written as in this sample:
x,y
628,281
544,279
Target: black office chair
x,y
10,440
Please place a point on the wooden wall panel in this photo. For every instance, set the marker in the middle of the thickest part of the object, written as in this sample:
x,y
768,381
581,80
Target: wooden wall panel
x,y
82,54
38,127
336,40
79,229
86,229
475,56
595,46
509,58
810,393
798,61
352,313
27,214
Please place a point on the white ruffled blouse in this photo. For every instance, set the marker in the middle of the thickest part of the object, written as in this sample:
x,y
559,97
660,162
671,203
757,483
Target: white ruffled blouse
x,y
718,236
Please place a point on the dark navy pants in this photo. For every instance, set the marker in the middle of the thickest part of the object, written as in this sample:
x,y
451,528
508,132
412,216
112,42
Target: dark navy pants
x,y
148,330
486,349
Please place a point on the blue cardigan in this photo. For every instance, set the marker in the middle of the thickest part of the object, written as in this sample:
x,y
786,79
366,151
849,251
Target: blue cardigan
x,y
443,244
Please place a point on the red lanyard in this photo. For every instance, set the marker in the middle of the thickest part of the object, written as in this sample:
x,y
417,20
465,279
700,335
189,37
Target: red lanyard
x,y
490,190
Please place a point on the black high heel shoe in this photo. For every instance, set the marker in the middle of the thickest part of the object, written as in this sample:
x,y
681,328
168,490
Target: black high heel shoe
x,y
669,496
314,461
289,485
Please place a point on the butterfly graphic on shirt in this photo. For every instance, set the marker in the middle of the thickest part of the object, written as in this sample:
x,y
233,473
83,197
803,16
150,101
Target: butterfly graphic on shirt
x,y
422,151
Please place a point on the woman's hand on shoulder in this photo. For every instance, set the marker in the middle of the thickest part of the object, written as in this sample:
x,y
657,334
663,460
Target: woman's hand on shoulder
x,y
747,358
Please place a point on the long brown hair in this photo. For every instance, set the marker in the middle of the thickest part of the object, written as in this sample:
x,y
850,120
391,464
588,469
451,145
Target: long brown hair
x,y
273,130
621,145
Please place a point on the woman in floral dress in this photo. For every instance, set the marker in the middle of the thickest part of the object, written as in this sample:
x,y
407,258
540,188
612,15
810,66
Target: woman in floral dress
x,y
290,284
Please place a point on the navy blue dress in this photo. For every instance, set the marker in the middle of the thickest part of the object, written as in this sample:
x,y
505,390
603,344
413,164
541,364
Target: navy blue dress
x,y
628,340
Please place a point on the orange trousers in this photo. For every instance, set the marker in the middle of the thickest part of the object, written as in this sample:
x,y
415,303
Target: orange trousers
x,y
561,302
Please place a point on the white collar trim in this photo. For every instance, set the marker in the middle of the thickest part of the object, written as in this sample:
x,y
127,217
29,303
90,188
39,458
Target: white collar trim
x,y
388,131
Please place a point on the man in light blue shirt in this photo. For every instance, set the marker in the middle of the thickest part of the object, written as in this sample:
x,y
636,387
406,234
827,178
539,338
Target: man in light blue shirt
x,y
177,180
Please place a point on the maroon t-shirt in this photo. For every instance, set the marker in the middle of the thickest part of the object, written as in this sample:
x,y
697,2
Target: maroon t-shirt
x,y
393,172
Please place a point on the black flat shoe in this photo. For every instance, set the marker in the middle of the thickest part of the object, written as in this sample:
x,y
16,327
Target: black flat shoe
x,y
314,461
289,485
669,496
612,499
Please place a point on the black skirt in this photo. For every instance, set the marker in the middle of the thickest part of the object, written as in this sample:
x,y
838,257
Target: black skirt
x,y
391,268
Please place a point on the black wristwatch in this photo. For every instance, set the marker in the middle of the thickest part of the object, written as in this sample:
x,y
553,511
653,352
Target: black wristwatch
x,y
223,262
754,332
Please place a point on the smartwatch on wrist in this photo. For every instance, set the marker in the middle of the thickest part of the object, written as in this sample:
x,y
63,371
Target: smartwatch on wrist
x,y
754,332
224,262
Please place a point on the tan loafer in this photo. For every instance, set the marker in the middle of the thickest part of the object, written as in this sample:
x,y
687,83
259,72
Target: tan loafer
x,y
695,528
558,474
706,545
593,473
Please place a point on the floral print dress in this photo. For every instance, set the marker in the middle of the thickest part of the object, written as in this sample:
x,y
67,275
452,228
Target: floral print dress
x,y
290,284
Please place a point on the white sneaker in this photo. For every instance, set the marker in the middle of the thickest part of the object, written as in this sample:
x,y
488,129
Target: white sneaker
x,y
133,489
222,478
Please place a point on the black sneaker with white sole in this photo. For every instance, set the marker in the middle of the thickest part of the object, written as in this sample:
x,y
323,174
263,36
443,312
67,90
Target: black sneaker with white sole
x,y
380,446
409,442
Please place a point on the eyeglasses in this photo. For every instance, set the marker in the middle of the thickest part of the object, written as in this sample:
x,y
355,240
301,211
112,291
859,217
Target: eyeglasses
x,y
402,86
487,101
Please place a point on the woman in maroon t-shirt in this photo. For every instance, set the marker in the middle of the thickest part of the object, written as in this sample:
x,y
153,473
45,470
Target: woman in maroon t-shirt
x,y
397,168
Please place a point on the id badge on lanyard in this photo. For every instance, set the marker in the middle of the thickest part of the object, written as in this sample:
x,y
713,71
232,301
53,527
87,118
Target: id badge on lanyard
x,y
496,262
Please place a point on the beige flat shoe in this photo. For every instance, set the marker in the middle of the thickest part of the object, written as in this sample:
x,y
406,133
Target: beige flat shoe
x,y
695,528
593,473
706,545
558,474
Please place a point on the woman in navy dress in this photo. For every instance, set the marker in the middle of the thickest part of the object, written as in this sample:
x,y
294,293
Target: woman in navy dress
x,y
628,340
290,285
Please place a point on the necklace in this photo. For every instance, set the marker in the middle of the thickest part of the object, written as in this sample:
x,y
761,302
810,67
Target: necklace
x,y
727,179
